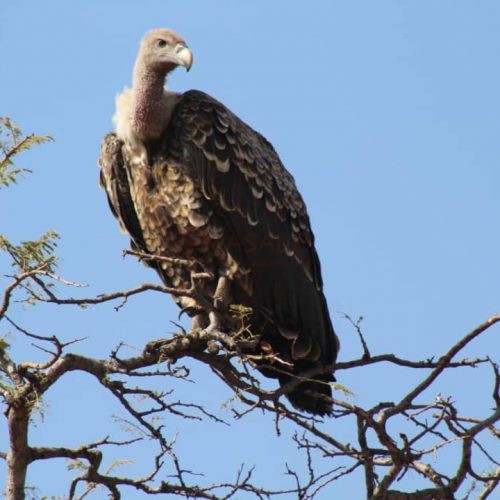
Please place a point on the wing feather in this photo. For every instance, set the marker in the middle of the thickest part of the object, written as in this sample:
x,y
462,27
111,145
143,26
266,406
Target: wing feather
x,y
242,182
239,171
114,180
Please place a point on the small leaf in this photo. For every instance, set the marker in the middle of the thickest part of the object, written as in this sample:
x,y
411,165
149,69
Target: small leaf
x,y
4,345
12,143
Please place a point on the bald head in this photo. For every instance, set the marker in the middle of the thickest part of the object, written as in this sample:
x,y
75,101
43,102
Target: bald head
x,y
163,50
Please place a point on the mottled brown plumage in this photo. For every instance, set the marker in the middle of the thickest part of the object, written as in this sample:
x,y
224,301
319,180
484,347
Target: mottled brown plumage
x,y
210,188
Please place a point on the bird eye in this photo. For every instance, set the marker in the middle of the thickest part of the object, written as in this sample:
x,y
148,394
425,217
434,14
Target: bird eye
x,y
161,43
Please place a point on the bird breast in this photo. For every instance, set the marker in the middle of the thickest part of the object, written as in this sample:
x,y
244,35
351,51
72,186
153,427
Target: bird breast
x,y
175,218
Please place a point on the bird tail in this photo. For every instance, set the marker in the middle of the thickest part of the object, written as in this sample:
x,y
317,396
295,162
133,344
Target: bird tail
x,y
312,396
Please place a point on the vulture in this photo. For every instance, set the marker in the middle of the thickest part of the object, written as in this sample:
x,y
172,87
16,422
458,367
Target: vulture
x,y
190,181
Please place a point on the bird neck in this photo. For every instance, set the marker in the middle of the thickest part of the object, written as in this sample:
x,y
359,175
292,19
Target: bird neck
x,y
149,116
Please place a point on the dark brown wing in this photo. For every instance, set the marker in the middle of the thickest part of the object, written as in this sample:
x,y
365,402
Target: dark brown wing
x,y
113,178
241,175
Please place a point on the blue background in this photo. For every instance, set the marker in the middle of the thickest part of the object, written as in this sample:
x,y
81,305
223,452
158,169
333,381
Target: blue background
x,y
386,113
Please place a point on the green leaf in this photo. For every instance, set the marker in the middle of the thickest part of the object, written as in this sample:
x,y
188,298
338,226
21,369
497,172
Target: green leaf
x,y
12,143
32,254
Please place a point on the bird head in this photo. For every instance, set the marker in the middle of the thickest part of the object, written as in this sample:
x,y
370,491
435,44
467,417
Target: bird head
x,y
164,50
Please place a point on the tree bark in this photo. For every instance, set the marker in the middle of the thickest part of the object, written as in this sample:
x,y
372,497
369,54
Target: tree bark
x,y
18,456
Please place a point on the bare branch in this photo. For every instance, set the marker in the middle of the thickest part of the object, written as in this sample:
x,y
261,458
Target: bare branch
x,y
442,364
9,290
232,356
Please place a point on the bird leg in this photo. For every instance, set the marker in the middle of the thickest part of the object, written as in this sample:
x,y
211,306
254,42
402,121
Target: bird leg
x,y
220,300
222,297
198,311
199,322
198,315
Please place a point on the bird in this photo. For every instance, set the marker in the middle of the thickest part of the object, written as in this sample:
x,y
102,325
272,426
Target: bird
x,y
189,181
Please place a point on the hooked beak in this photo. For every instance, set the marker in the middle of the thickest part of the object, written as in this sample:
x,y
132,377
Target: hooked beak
x,y
183,56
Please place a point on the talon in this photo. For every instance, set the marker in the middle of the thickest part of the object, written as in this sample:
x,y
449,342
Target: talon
x,y
191,311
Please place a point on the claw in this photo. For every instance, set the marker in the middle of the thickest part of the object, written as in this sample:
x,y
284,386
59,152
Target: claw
x,y
191,311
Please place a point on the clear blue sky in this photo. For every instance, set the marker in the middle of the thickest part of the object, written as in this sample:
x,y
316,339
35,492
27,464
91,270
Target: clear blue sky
x,y
387,114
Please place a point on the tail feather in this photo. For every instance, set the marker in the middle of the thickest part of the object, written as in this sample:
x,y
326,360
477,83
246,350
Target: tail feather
x,y
312,396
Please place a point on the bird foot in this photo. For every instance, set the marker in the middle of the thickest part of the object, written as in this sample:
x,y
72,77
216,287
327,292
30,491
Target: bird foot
x,y
199,322
191,310
214,323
